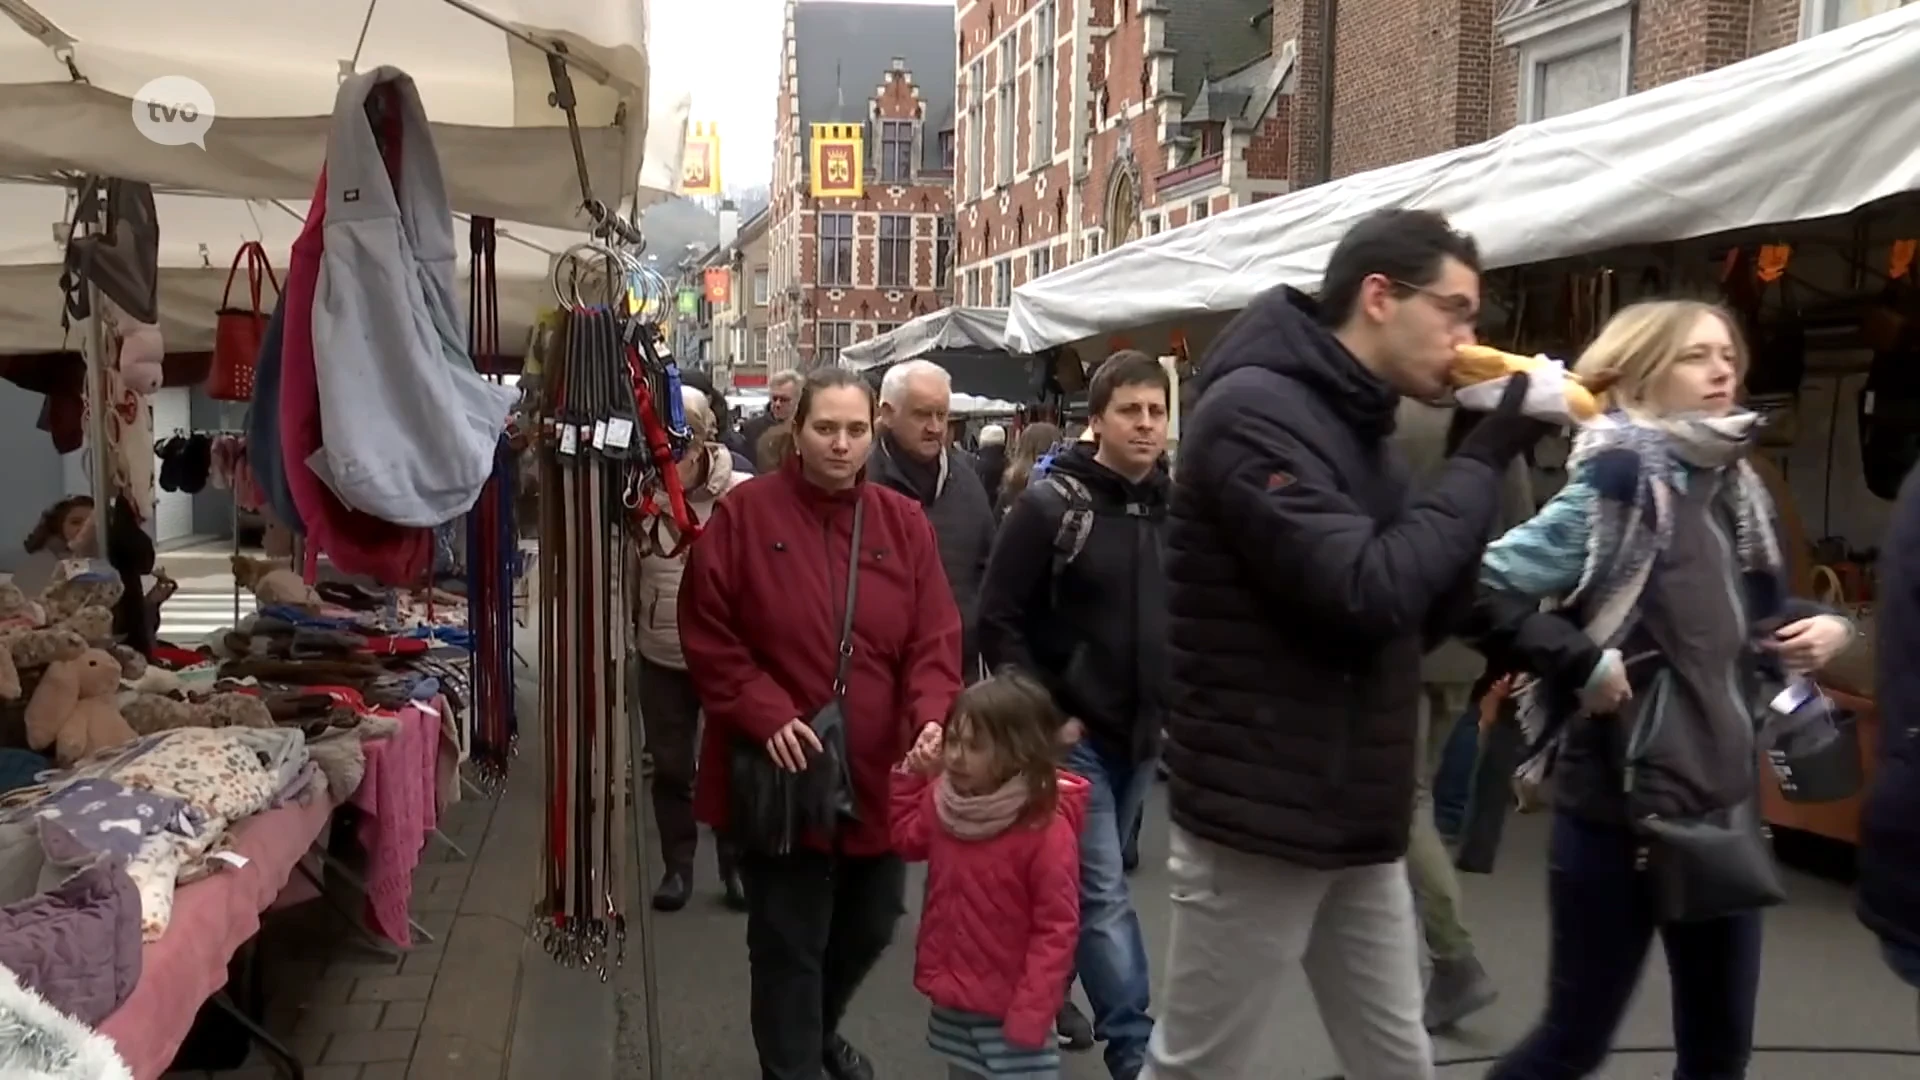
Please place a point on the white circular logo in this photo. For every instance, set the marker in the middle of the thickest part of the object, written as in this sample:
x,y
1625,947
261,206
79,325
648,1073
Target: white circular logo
x,y
173,110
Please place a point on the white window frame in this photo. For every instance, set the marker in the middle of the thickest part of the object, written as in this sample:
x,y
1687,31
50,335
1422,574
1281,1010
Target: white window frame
x,y
1040,262
893,252
1003,283
1006,121
1815,13
820,240
943,241
907,136
1201,210
1554,31
1046,38
762,286
976,121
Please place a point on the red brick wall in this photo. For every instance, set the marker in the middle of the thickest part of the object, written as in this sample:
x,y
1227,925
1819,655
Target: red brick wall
x,y
1416,77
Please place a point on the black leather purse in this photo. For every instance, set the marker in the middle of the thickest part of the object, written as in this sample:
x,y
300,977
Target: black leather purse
x,y
1708,866
771,810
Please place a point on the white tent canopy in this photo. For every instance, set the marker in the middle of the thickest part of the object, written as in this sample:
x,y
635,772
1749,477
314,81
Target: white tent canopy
x,y
975,405
1815,129
198,237
72,70
948,328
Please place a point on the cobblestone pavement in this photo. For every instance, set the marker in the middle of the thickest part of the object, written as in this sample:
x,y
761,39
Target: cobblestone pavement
x,y
1824,985
440,1010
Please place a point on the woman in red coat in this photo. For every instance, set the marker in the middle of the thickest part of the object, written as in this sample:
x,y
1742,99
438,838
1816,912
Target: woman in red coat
x,y
760,614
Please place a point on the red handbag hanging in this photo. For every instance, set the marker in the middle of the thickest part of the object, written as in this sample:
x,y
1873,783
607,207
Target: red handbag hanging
x,y
237,331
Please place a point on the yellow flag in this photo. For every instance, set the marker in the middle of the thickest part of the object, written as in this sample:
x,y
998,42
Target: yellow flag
x,y
836,161
700,164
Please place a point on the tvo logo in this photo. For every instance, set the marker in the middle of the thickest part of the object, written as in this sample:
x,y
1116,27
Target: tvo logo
x,y
173,110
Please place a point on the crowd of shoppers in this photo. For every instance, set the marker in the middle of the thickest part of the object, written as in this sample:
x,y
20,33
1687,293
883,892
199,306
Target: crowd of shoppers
x,y
1346,577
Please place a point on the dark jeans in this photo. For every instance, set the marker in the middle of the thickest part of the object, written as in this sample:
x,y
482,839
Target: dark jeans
x,y
816,924
1602,928
670,714
1453,783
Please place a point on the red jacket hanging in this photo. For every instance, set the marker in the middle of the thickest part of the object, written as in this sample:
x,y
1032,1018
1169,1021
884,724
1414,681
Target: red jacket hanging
x,y
356,543
759,612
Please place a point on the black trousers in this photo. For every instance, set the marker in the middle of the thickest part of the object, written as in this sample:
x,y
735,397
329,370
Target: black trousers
x,y
670,714
816,924
1602,927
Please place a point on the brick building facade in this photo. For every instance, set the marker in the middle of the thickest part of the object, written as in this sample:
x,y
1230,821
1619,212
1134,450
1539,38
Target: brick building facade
x,y
1082,124
1417,77
842,270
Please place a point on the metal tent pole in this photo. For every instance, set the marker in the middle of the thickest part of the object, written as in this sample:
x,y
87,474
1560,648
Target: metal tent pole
x,y
97,406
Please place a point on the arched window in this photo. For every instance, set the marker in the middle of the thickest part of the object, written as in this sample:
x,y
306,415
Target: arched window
x,y
1123,208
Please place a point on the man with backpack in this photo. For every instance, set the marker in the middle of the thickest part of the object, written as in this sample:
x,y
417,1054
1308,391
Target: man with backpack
x,y
1075,595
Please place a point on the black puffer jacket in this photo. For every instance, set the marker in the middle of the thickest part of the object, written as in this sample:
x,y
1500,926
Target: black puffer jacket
x,y
1890,821
1303,589
1097,637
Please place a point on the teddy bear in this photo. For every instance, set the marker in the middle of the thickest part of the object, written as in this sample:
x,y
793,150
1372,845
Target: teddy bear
x,y
143,351
272,585
70,597
148,713
74,709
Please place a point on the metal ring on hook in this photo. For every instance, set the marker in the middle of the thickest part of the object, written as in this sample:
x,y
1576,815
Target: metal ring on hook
x,y
572,259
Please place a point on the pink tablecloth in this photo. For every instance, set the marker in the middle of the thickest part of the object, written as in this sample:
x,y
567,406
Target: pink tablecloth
x,y
212,918
398,810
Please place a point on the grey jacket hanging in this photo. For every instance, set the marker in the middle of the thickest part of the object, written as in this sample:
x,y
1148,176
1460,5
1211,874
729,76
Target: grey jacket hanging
x,y
410,427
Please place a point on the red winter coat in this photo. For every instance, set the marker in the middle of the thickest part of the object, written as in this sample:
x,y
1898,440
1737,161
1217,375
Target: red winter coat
x,y
760,609
1002,916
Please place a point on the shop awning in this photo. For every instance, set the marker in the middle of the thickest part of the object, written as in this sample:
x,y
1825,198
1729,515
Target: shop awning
x,y
198,237
71,71
1815,129
949,328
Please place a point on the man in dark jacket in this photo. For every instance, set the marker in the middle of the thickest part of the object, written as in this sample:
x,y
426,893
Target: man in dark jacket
x,y
783,389
1075,595
1305,582
913,458
1890,822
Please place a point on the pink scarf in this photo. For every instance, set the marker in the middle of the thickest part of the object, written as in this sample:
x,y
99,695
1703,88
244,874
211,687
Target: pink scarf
x,y
979,817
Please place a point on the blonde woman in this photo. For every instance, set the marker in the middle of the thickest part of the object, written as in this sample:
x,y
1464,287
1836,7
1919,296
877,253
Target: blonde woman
x,y
669,708
1671,614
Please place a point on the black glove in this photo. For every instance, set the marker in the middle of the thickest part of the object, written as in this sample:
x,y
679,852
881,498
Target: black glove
x,y
1506,432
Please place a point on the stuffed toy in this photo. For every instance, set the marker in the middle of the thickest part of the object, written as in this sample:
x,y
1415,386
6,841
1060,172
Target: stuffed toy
x,y
74,711
149,714
143,352
272,585
73,592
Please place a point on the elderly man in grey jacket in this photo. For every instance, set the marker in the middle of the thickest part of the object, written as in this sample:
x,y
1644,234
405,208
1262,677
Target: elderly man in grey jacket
x,y
1459,985
913,458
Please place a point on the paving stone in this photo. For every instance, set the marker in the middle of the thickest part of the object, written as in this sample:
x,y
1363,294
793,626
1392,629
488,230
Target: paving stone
x,y
391,1070
421,962
451,1057
330,1072
404,1014
367,1047
428,902
394,988
337,1019
352,966
323,992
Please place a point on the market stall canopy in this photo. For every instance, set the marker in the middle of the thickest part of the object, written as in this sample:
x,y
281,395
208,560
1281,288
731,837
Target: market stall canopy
x,y
75,74
974,405
198,237
948,328
1815,129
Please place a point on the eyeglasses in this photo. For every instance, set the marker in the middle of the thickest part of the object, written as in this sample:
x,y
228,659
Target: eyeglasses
x,y
1461,310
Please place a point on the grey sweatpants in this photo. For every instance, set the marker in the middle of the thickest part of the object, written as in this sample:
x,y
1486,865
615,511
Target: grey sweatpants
x,y
1245,926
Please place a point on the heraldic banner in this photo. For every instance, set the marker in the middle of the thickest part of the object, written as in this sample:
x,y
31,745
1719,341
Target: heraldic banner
x,y
719,285
836,163
700,164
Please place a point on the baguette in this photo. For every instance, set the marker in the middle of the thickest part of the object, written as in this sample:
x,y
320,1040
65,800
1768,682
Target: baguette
x,y
1480,363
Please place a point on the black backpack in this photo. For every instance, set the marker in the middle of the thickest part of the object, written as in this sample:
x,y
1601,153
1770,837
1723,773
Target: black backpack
x,y
121,253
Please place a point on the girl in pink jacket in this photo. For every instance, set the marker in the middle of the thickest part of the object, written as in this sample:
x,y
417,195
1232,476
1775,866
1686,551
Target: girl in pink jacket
x,y
998,826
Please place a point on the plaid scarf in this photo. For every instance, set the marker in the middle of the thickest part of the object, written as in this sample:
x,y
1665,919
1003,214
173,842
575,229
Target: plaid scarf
x,y
1631,460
